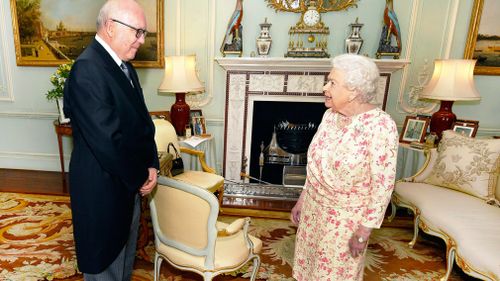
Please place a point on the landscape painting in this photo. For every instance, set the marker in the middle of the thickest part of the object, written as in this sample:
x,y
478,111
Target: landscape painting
x,y
52,32
483,41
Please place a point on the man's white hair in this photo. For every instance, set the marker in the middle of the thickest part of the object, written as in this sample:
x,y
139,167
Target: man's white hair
x,y
106,11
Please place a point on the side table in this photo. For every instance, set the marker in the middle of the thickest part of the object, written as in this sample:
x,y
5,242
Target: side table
x,y
410,159
205,144
62,130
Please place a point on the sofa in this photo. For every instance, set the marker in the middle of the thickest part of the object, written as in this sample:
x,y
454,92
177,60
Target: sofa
x,y
455,196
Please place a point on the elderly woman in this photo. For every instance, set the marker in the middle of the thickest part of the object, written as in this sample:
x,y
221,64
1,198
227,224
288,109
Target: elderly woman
x,y
351,166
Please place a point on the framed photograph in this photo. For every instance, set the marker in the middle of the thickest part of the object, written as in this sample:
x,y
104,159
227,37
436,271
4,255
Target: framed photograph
x,y
194,113
380,98
466,127
414,129
199,127
483,40
52,32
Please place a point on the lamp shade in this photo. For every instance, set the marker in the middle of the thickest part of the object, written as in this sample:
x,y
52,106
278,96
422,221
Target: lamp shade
x,y
180,76
452,80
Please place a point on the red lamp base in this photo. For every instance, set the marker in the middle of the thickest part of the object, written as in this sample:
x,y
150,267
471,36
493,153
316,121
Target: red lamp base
x,y
179,114
442,119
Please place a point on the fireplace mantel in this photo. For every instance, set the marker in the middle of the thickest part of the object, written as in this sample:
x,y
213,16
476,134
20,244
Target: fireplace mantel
x,y
297,64
249,80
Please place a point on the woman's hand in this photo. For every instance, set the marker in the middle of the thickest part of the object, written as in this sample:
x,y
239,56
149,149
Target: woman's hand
x,y
297,209
359,241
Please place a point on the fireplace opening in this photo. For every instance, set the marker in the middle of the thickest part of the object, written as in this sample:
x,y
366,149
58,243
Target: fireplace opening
x,y
281,134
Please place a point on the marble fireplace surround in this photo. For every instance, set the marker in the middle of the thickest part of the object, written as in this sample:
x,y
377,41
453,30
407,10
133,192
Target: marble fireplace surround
x,y
273,79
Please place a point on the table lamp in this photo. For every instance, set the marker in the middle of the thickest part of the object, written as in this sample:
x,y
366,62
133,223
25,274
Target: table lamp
x,y
452,80
180,78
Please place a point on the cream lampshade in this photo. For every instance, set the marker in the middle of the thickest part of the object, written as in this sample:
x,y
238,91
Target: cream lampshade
x,y
180,78
452,80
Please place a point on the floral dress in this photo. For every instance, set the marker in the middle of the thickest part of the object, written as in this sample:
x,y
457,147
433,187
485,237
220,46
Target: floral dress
x,y
350,177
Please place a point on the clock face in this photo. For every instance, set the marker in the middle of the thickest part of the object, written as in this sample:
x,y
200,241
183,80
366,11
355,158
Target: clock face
x,y
311,17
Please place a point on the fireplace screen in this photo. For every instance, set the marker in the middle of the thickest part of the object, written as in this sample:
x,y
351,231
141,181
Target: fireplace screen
x,y
281,134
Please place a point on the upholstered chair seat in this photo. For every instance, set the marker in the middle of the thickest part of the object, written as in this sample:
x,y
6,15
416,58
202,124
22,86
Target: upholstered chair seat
x,y
206,179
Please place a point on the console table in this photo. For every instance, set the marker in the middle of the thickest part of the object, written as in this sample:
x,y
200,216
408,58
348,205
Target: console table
x,y
62,130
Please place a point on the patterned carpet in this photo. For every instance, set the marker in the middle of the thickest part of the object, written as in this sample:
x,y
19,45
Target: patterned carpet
x,y
36,243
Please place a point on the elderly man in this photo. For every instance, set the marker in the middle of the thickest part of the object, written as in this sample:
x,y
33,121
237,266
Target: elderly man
x,y
114,159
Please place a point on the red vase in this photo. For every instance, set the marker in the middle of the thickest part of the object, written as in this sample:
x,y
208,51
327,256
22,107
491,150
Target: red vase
x,y
442,119
179,113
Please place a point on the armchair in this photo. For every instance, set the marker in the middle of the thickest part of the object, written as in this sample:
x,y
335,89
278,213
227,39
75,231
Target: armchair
x,y
189,237
206,179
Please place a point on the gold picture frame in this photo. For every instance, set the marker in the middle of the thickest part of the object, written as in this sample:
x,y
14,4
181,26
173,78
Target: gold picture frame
x,y
478,44
45,35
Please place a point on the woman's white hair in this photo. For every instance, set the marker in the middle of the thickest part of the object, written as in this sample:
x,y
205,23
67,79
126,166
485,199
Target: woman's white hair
x,y
360,74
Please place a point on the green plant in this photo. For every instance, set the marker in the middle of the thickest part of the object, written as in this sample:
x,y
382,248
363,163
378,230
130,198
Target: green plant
x,y
58,79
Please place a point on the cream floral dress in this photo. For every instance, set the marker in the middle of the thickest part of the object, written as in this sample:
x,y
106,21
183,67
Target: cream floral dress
x,y
350,176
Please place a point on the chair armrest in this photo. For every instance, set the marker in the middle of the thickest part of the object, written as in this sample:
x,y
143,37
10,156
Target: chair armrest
x,y
201,158
426,169
231,229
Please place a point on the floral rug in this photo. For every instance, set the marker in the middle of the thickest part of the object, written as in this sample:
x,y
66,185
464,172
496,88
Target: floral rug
x,y
36,243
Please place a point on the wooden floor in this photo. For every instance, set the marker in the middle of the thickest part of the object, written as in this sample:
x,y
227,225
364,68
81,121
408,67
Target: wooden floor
x,y
44,182
29,181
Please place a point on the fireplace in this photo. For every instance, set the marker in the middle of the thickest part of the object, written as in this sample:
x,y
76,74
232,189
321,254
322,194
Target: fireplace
x,y
280,135
261,92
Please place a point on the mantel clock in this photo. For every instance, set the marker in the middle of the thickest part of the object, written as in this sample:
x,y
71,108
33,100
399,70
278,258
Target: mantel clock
x,y
309,36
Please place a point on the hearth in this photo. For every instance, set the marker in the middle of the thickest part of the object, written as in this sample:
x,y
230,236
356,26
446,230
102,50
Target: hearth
x,y
261,191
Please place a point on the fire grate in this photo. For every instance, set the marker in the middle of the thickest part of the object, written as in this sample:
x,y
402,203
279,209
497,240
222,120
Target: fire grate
x,y
261,191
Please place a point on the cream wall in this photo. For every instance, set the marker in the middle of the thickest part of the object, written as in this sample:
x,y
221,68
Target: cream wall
x,y
431,29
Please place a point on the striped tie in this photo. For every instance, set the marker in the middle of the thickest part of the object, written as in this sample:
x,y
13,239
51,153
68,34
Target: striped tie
x,y
125,70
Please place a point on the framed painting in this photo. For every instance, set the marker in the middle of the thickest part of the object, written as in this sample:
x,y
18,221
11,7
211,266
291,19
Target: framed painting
x,y
414,129
483,40
466,127
47,32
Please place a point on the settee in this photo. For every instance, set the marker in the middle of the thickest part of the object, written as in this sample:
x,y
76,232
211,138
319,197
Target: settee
x,y
455,196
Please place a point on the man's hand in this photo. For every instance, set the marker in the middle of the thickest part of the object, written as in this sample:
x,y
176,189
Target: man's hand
x,y
150,183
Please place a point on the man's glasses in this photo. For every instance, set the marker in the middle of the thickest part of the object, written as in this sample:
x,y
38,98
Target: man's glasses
x,y
138,31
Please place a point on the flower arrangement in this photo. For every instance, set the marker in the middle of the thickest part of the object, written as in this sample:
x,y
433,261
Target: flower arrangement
x,y
58,79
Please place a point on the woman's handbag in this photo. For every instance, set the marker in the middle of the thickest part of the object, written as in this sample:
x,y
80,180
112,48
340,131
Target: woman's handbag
x,y
177,164
165,160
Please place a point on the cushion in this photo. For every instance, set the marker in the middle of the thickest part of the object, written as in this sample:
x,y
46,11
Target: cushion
x,y
208,181
467,164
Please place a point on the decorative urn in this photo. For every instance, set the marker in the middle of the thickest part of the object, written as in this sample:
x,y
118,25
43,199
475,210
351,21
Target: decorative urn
x,y
264,40
354,42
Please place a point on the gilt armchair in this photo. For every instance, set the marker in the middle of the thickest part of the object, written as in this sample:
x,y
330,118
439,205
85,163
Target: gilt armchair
x,y
206,179
189,237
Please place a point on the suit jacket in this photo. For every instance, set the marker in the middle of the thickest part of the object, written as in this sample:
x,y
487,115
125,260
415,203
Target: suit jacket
x,y
114,146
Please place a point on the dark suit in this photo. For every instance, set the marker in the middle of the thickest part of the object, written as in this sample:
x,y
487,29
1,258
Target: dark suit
x,y
114,146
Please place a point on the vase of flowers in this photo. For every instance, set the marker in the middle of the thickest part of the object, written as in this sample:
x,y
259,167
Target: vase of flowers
x,y
56,94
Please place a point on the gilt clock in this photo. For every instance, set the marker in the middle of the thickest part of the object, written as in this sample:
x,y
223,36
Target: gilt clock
x,y
311,17
309,36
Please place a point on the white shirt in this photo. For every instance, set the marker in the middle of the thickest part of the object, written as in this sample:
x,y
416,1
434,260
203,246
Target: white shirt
x,y
109,50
